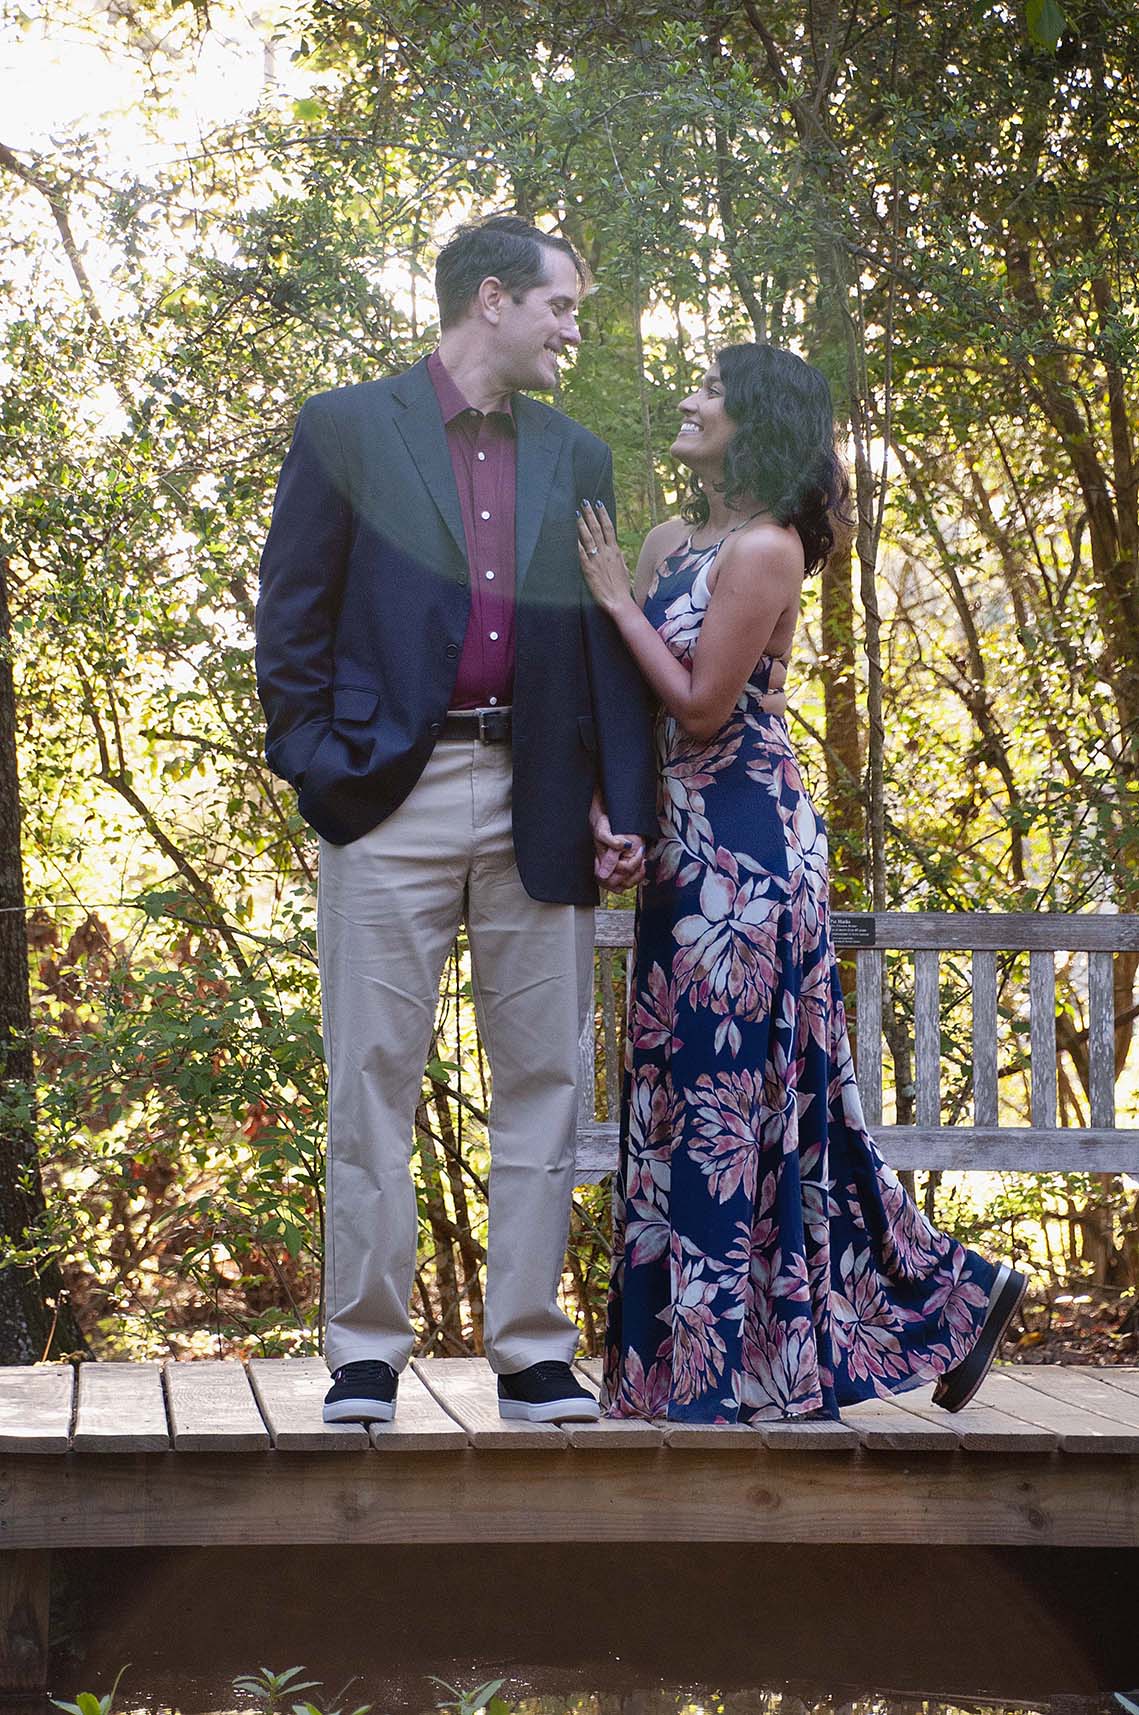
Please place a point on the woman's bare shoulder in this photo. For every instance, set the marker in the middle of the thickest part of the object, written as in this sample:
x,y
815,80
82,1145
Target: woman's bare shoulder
x,y
662,540
767,548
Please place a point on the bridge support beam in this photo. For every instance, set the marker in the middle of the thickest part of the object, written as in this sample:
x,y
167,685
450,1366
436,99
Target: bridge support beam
x,y
25,1576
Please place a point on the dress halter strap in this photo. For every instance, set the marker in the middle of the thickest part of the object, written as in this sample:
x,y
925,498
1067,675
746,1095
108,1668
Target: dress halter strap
x,y
689,549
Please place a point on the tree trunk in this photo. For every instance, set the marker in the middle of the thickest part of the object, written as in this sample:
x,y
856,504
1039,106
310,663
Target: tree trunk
x,y
36,1320
845,810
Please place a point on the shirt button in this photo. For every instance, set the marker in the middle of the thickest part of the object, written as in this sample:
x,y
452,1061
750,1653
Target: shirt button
x,y
484,514
492,699
482,458
494,636
490,574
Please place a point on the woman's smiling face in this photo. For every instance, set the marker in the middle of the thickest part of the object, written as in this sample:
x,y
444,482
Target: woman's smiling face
x,y
706,430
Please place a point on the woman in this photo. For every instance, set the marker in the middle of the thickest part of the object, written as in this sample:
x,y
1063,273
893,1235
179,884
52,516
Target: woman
x,y
767,1263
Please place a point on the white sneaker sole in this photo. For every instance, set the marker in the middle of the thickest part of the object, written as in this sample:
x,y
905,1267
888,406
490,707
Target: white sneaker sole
x,y
359,1411
550,1411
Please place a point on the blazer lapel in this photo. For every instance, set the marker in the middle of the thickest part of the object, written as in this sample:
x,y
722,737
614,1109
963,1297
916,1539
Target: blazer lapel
x,y
421,425
538,450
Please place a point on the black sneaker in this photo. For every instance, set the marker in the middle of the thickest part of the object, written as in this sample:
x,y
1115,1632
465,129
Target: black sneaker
x,y
957,1386
361,1393
546,1393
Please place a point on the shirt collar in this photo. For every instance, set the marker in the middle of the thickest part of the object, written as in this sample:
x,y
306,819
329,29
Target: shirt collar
x,y
452,402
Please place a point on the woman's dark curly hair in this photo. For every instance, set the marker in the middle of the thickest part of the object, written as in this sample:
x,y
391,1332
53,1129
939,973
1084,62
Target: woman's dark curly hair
x,y
782,453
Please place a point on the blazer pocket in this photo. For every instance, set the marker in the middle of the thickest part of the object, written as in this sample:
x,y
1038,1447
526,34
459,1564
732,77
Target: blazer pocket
x,y
354,702
586,732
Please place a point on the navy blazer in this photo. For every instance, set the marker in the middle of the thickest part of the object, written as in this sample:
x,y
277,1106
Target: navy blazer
x,y
362,612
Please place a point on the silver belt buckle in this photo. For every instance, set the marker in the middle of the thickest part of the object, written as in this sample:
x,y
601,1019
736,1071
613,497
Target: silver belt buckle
x,y
491,721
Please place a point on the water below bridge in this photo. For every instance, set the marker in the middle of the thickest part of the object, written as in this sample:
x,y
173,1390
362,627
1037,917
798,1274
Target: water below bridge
x,y
642,1630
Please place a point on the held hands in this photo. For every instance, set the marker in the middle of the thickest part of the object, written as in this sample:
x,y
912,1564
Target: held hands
x,y
619,859
602,562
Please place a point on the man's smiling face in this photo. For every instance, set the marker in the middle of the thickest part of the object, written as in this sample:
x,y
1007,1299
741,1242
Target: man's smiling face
x,y
538,325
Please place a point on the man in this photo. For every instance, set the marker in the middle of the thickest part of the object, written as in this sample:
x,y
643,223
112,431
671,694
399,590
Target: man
x,y
464,731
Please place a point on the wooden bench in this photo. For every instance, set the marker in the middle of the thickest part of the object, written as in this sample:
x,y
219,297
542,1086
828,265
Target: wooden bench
x,y
1041,1146
222,1453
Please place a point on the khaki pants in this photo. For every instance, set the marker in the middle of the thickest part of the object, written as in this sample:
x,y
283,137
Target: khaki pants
x,y
389,906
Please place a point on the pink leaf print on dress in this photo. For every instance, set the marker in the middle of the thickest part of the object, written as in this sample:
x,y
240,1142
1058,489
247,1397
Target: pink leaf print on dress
x,y
782,1374
726,1114
728,949
635,1393
655,1121
866,1324
697,1345
654,1013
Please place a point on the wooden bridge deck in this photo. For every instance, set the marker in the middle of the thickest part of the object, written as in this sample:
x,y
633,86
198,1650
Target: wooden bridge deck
x,y
221,1453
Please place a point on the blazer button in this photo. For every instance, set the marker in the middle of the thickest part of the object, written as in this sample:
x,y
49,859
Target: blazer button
x,y
435,728
452,650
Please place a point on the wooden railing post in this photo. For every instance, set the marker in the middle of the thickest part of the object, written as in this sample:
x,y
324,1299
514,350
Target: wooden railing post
x,y
985,1103
927,1036
1042,1036
1101,1039
869,978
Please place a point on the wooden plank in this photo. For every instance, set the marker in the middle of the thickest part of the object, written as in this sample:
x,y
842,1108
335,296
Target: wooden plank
x,y
1079,1431
612,928
525,1496
610,1431
1042,1036
868,996
596,1152
1101,1039
882,1425
1121,1376
1016,1149
982,1428
985,1108
612,1060
1006,932
808,1435
586,1086
290,1394
1019,1149
35,1407
696,1437
467,1390
927,1037
121,1408
614,1432
956,931
420,1424
212,1408
1086,1390
632,1431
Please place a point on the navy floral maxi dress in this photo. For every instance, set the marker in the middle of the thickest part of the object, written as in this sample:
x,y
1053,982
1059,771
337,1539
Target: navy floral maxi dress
x,y
767,1262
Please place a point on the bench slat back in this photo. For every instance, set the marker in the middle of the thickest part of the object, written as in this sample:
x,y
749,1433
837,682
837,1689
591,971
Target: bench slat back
x,y
1043,1145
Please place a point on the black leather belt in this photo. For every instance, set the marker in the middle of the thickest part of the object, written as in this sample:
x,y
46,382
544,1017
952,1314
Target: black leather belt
x,y
489,726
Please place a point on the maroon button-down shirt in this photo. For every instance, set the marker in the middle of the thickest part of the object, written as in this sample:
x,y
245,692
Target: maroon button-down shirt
x,y
483,458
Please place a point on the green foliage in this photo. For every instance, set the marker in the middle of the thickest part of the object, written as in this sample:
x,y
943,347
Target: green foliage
x,y
87,1703
932,207
479,1698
